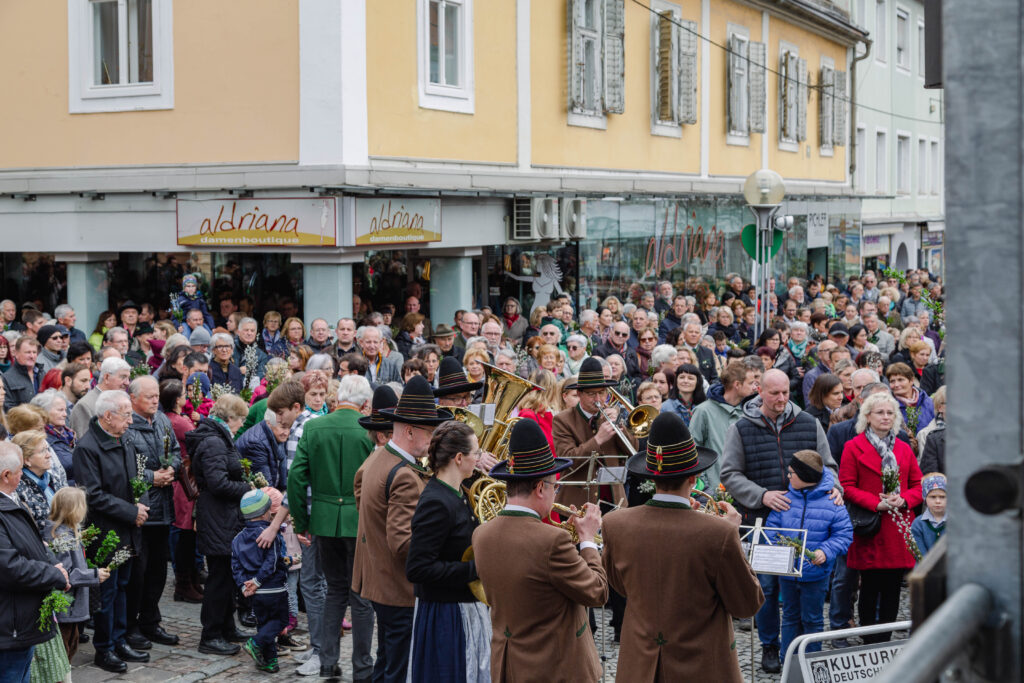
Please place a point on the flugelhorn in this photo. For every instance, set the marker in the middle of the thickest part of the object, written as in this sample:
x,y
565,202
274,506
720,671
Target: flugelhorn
x,y
570,527
710,506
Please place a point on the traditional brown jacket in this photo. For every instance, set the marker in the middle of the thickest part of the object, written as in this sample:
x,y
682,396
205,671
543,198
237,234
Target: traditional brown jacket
x,y
684,576
574,438
539,586
385,527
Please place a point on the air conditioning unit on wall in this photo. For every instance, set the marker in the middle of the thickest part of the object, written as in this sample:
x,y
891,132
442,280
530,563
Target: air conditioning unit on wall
x,y
574,219
534,219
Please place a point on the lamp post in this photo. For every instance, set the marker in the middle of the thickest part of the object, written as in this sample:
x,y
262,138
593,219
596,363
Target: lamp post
x,y
764,191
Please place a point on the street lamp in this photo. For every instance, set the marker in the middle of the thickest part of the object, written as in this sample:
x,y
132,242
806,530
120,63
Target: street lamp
x,y
764,191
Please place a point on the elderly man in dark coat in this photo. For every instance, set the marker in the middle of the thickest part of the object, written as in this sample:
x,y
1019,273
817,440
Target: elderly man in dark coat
x,y
105,463
29,570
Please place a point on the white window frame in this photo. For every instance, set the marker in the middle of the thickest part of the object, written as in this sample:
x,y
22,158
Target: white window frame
x,y
784,144
459,99
879,34
829,149
597,119
903,165
667,129
84,97
936,160
902,58
861,178
923,187
881,161
732,137
920,48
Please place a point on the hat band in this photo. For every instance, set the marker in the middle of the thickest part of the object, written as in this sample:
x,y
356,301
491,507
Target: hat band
x,y
528,462
671,459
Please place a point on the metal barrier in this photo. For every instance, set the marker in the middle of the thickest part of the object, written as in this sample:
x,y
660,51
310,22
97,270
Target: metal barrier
x,y
798,648
942,637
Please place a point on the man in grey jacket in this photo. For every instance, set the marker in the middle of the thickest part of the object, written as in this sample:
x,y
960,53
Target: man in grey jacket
x,y
153,437
114,376
382,369
758,448
878,336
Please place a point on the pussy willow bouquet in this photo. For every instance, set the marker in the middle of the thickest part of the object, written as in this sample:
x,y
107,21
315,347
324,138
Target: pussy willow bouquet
x,y
891,484
90,535
722,496
257,479
275,375
108,545
176,311
119,558
251,362
195,393
646,486
139,483
781,539
140,370
220,389
167,459
57,602
913,419
61,545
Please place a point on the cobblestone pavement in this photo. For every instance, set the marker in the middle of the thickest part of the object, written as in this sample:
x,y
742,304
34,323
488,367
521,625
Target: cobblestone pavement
x,y
184,663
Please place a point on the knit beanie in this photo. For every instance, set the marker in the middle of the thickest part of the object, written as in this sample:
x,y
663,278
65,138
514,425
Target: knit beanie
x,y
276,497
933,481
807,465
254,503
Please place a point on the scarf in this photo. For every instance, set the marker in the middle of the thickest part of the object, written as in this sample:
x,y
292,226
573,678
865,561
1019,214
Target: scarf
x,y
572,367
317,413
797,350
62,434
43,483
510,320
643,357
884,446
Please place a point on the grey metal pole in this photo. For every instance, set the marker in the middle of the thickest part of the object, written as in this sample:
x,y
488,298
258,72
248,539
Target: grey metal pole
x,y
941,638
984,167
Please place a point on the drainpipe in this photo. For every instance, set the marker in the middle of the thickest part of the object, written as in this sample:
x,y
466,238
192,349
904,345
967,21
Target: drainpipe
x,y
853,111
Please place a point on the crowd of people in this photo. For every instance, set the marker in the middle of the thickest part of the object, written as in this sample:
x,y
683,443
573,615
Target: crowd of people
x,y
281,466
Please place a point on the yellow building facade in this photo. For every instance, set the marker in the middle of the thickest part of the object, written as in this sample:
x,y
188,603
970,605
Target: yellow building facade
x,y
140,105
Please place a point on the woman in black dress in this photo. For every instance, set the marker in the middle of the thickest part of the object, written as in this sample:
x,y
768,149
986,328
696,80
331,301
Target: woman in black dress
x,y
451,635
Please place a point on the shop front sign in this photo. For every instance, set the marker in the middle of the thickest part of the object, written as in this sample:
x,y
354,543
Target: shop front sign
x,y
258,222
383,221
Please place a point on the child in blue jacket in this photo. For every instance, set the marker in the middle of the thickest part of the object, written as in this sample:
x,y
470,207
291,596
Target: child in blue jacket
x,y
929,527
262,575
829,534
189,298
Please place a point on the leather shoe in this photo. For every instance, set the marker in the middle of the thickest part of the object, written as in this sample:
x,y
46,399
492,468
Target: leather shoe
x,y
218,646
137,641
770,659
158,635
128,654
247,618
239,636
331,672
108,661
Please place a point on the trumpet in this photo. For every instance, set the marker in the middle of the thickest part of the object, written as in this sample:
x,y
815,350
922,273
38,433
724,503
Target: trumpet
x,y
569,526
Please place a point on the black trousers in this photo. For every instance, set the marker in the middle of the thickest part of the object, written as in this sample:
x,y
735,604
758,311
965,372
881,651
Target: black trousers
x,y
185,553
218,612
271,611
394,638
148,578
879,599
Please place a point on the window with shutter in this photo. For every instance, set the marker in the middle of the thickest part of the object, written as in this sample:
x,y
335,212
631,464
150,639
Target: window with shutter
x,y
826,106
839,108
801,99
756,99
664,59
788,95
687,43
737,84
585,72
614,56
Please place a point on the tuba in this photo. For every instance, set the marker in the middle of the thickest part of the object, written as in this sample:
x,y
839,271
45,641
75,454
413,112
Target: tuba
x,y
504,390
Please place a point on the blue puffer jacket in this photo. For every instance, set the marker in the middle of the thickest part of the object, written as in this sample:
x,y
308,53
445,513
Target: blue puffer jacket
x,y
828,525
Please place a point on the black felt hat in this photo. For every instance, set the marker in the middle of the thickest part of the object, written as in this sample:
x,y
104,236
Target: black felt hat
x,y
416,406
452,379
529,454
591,376
670,452
126,305
383,397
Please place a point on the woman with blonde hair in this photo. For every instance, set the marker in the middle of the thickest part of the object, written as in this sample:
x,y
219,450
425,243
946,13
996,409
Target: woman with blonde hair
x,y
294,332
613,304
471,361
38,485
547,358
271,340
298,356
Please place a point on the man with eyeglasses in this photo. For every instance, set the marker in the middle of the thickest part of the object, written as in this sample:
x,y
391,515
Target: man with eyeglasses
x,y
618,343
105,464
469,326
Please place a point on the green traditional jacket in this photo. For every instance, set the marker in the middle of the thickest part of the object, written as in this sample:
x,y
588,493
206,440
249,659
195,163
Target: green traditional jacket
x,y
330,451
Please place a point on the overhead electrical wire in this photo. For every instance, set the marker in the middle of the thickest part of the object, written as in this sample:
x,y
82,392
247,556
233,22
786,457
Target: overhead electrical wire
x,y
840,98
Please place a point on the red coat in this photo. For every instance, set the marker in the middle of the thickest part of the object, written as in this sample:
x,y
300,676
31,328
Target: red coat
x,y
860,473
